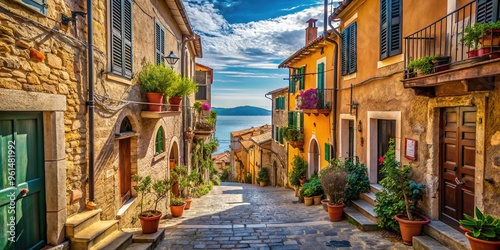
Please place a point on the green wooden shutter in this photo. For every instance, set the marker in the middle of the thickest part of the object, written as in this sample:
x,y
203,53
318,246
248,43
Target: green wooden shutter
x,y
321,76
281,135
294,122
290,118
487,11
327,152
159,141
291,81
352,48
301,120
344,49
302,73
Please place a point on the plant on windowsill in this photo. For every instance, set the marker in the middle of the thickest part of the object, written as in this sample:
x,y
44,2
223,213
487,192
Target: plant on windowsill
x,y
150,218
263,176
397,203
183,88
334,181
422,66
293,136
155,80
483,231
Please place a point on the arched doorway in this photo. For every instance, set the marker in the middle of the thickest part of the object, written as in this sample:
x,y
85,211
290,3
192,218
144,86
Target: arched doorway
x,y
174,160
313,163
125,162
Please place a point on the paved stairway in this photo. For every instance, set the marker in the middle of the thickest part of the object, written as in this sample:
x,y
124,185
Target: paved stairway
x,y
248,216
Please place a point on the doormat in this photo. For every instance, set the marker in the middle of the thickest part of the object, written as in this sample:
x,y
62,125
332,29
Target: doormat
x,y
338,243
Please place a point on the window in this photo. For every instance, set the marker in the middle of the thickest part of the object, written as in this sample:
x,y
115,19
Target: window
x,y
279,103
328,150
487,11
348,59
159,148
121,37
159,43
291,81
390,28
296,119
302,74
38,5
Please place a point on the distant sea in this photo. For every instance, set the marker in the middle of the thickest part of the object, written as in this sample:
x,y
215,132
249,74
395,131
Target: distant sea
x,y
227,124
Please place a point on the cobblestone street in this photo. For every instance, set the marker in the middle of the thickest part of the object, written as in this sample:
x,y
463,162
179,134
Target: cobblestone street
x,y
248,216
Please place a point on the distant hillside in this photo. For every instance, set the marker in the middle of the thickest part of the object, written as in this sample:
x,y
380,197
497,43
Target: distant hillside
x,y
242,110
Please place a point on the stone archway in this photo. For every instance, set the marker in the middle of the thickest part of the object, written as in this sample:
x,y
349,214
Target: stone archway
x,y
313,159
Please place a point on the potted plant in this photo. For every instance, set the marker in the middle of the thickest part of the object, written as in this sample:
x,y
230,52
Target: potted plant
x,y
175,93
333,179
423,65
398,201
441,63
298,173
309,99
293,136
150,218
483,231
155,80
188,184
263,177
307,192
177,206
313,190
485,34
357,180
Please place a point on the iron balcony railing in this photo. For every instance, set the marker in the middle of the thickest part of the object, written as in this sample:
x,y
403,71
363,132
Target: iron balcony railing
x,y
315,99
442,39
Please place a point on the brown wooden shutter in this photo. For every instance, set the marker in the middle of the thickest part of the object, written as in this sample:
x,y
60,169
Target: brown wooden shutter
x,y
127,35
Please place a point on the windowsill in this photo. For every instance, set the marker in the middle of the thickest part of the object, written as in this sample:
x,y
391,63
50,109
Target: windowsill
x,y
125,207
118,78
159,156
349,77
390,61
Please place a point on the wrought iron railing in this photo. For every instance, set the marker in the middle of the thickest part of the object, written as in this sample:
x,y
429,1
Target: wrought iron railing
x,y
314,99
443,38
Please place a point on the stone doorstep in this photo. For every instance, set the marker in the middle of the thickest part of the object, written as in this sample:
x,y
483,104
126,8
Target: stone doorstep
x,y
375,187
140,246
447,235
369,198
366,209
79,222
63,246
154,239
426,243
93,234
117,240
359,220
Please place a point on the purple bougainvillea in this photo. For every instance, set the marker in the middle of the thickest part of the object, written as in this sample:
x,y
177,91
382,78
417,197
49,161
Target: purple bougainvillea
x,y
309,99
205,106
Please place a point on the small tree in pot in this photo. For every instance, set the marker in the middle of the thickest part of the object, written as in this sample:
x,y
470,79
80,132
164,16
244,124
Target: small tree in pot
x,y
334,182
298,174
263,177
159,189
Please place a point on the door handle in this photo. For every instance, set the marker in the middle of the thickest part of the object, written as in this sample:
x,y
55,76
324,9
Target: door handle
x,y
24,191
459,182
455,168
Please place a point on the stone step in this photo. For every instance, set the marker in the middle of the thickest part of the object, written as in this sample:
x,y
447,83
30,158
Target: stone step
x,y
447,235
368,197
427,243
359,220
116,241
375,187
140,246
366,209
80,221
154,238
93,234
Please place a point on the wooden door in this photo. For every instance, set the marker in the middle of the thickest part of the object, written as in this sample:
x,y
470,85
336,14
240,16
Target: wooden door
x,y
386,129
22,215
125,172
457,163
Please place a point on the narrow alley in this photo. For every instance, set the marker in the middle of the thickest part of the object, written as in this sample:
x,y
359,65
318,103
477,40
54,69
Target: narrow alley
x,y
247,216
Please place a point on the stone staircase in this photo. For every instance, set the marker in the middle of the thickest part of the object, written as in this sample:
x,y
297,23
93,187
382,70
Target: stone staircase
x,y
362,211
86,231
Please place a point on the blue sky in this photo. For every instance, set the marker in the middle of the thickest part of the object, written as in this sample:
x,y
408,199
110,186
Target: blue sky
x,y
244,41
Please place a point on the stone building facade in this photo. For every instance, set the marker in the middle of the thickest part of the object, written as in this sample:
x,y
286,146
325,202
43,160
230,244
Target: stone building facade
x,y
43,80
279,158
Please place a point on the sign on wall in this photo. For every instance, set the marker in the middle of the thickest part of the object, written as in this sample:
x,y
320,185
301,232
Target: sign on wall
x,y
411,149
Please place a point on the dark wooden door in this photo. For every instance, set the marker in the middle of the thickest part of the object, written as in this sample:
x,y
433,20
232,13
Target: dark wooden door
x,y
125,172
22,215
457,163
386,130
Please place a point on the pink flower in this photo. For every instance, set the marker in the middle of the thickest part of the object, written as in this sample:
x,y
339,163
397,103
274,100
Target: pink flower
x,y
381,160
205,106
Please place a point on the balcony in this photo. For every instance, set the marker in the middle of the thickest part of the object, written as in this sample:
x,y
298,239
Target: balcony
x,y
315,101
442,55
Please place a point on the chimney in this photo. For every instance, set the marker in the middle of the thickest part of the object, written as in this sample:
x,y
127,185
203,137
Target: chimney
x,y
311,30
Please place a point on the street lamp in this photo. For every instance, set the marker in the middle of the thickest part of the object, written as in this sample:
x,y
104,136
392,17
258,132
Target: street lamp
x,y
171,59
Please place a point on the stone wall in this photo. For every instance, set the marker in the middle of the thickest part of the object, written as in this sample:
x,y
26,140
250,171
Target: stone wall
x,y
278,151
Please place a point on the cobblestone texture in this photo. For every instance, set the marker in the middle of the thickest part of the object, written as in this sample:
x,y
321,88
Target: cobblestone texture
x,y
247,216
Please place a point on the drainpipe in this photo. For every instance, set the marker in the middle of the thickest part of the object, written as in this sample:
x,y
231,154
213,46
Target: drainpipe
x,y
90,104
335,66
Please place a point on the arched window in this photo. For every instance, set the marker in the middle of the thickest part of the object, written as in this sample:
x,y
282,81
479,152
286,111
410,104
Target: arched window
x,y
159,148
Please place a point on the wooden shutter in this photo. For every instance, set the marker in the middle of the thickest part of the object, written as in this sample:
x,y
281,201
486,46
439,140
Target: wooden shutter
x,y
301,120
487,11
127,34
321,76
327,152
344,49
295,118
352,48
290,118
281,135
276,137
302,73
384,29
116,37
160,43
395,28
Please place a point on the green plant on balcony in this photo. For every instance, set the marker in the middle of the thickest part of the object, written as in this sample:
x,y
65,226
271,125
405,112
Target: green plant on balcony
x,y
292,134
309,99
424,65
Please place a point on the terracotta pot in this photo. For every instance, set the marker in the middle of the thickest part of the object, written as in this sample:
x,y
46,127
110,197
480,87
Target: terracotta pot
x,y
154,98
175,103
325,204
410,228
177,211
150,224
465,229
188,204
317,199
472,53
478,244
262,184
308,201
172,164
335,212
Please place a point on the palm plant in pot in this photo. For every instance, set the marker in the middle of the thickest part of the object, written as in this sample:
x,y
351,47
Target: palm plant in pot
x,y
263,176
398,201
483,231
175,93
155,80
334,182
150,218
